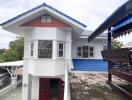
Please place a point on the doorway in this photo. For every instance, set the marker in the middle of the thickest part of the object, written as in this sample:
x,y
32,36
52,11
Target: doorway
x,y
51,89
54,89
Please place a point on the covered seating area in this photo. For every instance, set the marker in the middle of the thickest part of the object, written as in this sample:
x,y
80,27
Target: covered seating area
x,y
15,68
119,60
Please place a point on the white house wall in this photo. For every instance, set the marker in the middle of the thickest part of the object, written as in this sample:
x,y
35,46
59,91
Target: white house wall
x,y
40,33
49,67
97,44
35,88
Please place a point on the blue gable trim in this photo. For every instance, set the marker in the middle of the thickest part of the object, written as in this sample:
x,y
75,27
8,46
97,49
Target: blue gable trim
x,y
44,4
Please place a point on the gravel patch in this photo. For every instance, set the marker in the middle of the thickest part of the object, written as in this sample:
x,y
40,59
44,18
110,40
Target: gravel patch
x,y
93,87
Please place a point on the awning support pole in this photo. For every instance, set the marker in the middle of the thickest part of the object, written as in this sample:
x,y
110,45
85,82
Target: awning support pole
x,y
109,39
109,48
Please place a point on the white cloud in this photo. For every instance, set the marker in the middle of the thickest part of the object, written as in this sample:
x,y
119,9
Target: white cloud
x,y
90,12
5,38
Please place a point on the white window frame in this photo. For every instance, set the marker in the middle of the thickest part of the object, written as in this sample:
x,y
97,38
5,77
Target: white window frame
x,y
92,52
87,51
45,57
62,50
49,19
32,49
79,52
46,19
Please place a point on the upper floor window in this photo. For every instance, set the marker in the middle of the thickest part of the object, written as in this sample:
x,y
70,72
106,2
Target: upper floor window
x,y
31,50
85,52
46,19
60,49
44,49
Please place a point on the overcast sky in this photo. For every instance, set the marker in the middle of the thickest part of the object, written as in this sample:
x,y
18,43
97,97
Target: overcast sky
x,y
90,12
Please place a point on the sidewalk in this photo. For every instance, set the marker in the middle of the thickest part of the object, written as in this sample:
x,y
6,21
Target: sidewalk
x,y
13,95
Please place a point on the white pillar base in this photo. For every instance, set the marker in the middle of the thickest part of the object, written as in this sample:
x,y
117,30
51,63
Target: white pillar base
x,y
14,82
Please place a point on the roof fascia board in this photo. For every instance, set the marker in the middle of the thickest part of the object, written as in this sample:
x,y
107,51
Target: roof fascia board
x,y
64,18
22,17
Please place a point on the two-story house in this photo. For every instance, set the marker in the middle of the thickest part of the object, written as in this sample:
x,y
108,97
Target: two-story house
x,y
52,42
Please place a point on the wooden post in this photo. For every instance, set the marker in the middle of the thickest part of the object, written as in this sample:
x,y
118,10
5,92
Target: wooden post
x,y
109,48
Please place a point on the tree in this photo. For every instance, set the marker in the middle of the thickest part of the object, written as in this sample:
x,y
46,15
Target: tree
x,y
15,51
116,44
2,51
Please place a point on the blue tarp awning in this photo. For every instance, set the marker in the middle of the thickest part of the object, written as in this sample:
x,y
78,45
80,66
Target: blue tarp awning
x,y
122,24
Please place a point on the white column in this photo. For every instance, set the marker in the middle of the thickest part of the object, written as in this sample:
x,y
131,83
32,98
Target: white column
x,y
54,50
68,45
35,88
68,49
67,95
35,52
26,82
14,82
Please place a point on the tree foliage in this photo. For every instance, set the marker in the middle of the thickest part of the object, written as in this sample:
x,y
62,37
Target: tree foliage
x,y
116,44
15,51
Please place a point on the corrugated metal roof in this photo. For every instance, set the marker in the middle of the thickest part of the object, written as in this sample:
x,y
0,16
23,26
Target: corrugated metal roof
x,y
122,12
44,4
127,21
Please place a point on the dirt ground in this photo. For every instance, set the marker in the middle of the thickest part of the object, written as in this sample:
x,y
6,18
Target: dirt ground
x,y
93,87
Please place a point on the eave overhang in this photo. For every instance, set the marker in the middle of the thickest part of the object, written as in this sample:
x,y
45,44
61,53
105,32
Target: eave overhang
x,y
121,13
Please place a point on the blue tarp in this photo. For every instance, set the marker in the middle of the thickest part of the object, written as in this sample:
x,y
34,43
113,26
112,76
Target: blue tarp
x,y
90,65
124,23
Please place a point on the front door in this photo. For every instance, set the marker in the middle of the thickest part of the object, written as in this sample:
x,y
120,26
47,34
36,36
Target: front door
x,y
54,89
44,89
51,89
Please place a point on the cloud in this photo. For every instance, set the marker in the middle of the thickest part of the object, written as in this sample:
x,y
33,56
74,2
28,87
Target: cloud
x,y
5,38
90,12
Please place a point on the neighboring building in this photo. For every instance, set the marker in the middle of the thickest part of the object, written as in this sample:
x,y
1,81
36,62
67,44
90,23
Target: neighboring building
x,y
51,40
